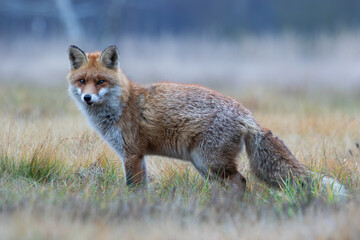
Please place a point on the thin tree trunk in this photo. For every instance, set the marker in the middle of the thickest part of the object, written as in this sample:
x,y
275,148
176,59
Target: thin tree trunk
x,y
71,23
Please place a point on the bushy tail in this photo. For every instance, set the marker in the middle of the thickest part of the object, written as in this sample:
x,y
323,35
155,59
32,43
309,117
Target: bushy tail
x,y
272,162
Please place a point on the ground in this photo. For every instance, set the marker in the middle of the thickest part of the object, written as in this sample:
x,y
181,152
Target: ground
x,y
60,180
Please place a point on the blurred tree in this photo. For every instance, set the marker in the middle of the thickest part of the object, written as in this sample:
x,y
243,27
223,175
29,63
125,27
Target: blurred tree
x,y
71,22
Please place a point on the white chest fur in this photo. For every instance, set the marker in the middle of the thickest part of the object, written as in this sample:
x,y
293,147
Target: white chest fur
x,y
105,123
104,117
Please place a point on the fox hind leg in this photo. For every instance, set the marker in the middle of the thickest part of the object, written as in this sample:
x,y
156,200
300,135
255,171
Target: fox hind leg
x,y
221,169
215,156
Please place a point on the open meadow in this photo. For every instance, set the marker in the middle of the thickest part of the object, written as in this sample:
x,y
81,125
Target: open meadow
x,y
59,180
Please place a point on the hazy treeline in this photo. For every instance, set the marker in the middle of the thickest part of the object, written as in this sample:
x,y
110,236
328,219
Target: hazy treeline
x,y
240,42
74,19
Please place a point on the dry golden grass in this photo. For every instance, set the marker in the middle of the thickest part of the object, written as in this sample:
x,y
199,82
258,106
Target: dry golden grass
x,y
77,199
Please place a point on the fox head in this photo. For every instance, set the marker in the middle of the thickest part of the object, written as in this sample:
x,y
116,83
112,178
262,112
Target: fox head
x,y
93,75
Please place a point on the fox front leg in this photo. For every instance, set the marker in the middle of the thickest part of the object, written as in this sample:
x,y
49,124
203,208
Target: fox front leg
x,y
135,172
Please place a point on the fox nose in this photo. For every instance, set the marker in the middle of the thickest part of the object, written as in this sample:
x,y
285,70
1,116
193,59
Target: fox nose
x,y
87,98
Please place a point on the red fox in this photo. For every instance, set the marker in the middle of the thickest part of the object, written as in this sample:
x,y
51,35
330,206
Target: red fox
x,y
187,122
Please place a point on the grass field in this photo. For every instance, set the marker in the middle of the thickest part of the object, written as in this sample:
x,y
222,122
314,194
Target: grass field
x,y
60,180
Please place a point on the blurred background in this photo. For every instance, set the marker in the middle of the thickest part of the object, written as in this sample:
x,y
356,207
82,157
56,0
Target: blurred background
x,y
232,44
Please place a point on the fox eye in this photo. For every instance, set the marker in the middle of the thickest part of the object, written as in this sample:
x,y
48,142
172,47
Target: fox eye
x,y
82,81
100,82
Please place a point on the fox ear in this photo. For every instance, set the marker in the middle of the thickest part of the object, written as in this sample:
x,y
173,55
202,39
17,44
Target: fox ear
x,y
77,57
110,57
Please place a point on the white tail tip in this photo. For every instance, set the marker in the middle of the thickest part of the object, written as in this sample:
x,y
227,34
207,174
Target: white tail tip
x,y
336,187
